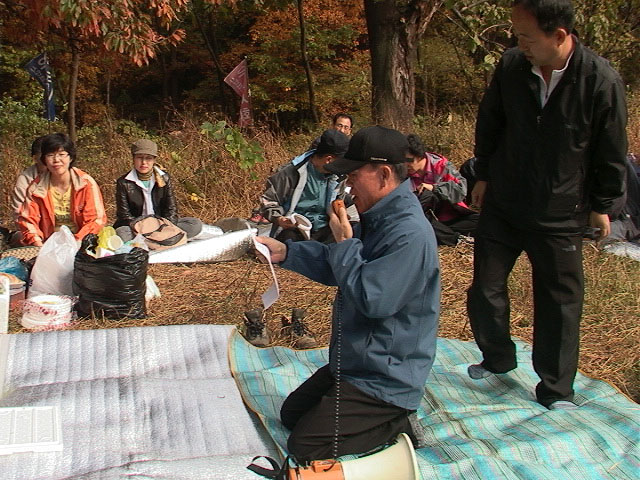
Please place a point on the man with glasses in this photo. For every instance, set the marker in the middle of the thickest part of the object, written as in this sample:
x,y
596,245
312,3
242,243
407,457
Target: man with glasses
x,y
342,122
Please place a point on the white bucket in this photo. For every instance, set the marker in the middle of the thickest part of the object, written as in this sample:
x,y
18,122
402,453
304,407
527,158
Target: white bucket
x,y
44,312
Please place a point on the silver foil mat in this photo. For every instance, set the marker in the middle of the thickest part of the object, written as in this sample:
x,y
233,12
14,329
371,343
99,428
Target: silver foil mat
x,y
143,402
223,248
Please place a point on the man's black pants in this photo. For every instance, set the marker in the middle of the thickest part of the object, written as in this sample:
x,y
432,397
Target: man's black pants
x,y
363,422
558,290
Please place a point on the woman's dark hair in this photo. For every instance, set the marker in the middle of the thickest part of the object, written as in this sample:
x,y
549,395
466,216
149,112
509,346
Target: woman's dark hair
x,y
35,146
55,141
416,147
550,14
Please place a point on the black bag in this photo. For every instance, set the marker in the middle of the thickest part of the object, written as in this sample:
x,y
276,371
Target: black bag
x,y
445,235
428,200
112,286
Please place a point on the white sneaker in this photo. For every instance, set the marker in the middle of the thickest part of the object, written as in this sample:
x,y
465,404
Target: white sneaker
x,y
562,405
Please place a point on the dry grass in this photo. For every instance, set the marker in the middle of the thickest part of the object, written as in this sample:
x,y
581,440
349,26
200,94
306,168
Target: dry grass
x,y
219,293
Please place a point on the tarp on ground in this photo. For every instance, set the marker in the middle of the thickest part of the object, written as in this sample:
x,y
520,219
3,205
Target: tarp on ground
x,y
136,403
476,429
209,247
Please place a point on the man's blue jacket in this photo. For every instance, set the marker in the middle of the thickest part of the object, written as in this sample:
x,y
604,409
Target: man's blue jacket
x,y
385,314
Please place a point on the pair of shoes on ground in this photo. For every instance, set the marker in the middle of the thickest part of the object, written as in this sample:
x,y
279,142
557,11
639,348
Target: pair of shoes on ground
x,y
562,405
477,372
257,334
417,436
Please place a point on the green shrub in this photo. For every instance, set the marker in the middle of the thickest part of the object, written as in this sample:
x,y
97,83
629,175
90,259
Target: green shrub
x,y
245,153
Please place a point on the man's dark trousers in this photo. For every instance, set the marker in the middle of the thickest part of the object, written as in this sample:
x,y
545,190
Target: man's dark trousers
x,y
364,422
558,291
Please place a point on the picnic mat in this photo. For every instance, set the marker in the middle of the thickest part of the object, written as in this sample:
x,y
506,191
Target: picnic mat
x,y
208,248
476,429
136,403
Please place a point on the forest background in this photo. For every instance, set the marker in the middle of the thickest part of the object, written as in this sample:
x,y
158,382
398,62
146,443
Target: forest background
x,y
123,70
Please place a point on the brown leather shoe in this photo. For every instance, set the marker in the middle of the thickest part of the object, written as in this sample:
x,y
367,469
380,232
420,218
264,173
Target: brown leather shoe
x,y
255,330
301,336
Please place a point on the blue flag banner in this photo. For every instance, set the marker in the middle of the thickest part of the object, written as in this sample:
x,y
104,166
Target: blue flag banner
x,y
38,68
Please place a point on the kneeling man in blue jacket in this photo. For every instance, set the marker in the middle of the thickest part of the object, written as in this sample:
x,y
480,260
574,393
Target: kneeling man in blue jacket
x,y
385,313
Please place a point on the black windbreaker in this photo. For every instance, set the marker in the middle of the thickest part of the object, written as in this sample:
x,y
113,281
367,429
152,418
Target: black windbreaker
x,y
547,168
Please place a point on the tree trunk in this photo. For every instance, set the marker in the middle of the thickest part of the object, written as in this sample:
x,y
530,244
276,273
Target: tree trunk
x,y
164,68
305,62
73,88
211,44
395,28
173,80
108,89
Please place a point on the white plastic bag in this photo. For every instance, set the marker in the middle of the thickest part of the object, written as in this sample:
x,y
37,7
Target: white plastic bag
x,y
52,273
152,289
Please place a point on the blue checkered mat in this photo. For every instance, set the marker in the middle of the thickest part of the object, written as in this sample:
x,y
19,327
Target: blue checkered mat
x,y
476,429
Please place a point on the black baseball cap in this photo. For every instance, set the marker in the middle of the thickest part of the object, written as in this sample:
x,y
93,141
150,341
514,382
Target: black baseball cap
x,y
371,145
332,142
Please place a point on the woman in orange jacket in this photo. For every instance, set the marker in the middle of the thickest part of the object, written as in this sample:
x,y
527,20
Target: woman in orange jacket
x,y
63,195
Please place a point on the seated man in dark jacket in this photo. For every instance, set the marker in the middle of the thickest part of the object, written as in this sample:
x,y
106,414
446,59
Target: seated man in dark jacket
x,y
146,190
305,188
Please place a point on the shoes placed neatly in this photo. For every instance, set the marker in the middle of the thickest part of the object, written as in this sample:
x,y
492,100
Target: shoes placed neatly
x,y
301,336
562,405
477,371
255,329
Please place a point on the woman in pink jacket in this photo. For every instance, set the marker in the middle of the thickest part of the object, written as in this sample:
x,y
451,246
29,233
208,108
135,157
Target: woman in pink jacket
x,y
63,195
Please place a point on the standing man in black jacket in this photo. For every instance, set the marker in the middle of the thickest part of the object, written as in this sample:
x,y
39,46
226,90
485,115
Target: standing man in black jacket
x,y
550,148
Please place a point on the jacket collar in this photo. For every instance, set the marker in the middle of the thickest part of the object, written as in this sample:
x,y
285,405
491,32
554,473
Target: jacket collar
x,y
78,181
571,73
158,174
575,62
394,201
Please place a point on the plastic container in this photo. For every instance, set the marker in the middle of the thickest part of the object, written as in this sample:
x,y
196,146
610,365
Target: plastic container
x,y
46,312
104,235
114,242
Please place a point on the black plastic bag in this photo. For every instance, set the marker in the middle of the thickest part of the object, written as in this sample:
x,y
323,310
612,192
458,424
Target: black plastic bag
x,y
112,286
